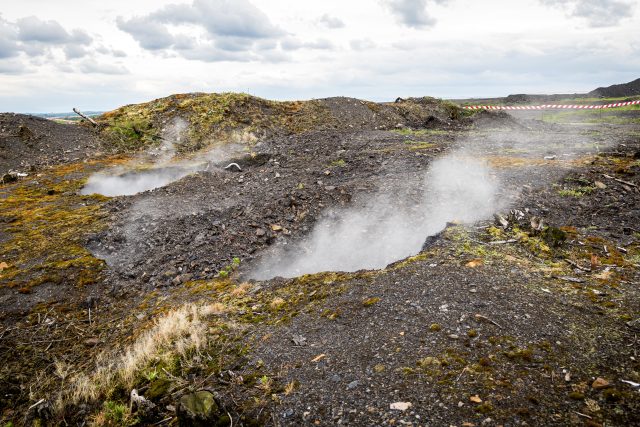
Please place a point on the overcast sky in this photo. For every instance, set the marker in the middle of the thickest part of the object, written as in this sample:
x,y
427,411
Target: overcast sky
x,y
98,55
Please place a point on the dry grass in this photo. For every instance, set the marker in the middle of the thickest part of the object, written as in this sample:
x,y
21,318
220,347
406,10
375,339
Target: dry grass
x,y
176,333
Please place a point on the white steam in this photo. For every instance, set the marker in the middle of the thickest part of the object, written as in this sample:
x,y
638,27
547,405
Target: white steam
x,y
387,228
163,169
129,183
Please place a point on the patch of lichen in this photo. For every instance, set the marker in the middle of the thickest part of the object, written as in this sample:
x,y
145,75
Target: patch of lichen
x,y
47,223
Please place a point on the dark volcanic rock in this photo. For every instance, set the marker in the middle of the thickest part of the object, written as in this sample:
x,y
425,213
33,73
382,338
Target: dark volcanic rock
x,y
617,91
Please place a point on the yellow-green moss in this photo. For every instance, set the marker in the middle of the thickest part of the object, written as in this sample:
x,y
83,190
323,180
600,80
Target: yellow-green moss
x,y
47,222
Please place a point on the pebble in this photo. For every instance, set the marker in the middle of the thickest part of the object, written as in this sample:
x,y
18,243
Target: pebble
x,y
90,342
600,383
352,385
400,406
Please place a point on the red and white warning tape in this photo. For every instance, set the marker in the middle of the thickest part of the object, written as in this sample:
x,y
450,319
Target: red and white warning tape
x,y
549,106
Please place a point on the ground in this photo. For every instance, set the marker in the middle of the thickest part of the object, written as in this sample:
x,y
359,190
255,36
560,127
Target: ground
x,y
495,322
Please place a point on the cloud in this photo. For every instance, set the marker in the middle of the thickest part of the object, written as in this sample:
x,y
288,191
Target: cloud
x,y
231,18
32,29
208,30
13,66
412,13
36,38
295,44
362,44
331,21
598,13
73,51
149,34
31,43
91,66
8,39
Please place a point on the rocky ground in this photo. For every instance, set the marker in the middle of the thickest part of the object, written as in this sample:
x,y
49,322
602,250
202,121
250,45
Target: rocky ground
x,y
526,318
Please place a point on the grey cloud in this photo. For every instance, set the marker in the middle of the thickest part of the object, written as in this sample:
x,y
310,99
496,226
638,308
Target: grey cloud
x,y
81,37
230,18
12,67
91,66
32,29
36,38
231,30
72,51
148,33
412,13
331,21
598,13
8,37
234,44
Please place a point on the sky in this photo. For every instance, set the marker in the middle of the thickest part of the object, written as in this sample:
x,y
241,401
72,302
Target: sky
x,y
99,55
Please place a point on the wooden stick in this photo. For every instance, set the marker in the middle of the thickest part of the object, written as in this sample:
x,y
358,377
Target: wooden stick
x,y
485,318
576,265
87,118
620,180
503,242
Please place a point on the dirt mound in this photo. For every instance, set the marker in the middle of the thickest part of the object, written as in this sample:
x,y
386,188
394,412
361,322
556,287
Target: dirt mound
x,y
28,142
206,118
518,99
618,91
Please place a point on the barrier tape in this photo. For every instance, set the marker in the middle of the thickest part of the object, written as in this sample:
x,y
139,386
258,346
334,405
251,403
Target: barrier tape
x,y
550,106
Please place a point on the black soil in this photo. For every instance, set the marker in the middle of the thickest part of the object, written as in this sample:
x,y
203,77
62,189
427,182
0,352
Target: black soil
x,y
30,143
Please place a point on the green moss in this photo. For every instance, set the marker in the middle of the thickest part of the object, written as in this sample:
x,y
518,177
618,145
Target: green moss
x,y
212,117
576,192
368,302
48,225
117,415
523,354
554,236
419,132
435,327
158,388
612,395
420,145
484,408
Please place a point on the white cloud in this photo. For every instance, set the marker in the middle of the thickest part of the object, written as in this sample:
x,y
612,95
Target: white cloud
x,y
332,22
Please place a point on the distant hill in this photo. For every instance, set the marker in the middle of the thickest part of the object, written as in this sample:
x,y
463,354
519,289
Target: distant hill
x,y
69,115
617,91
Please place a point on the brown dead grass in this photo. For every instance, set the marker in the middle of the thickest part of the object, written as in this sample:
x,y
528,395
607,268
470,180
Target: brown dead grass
x,y
174,334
